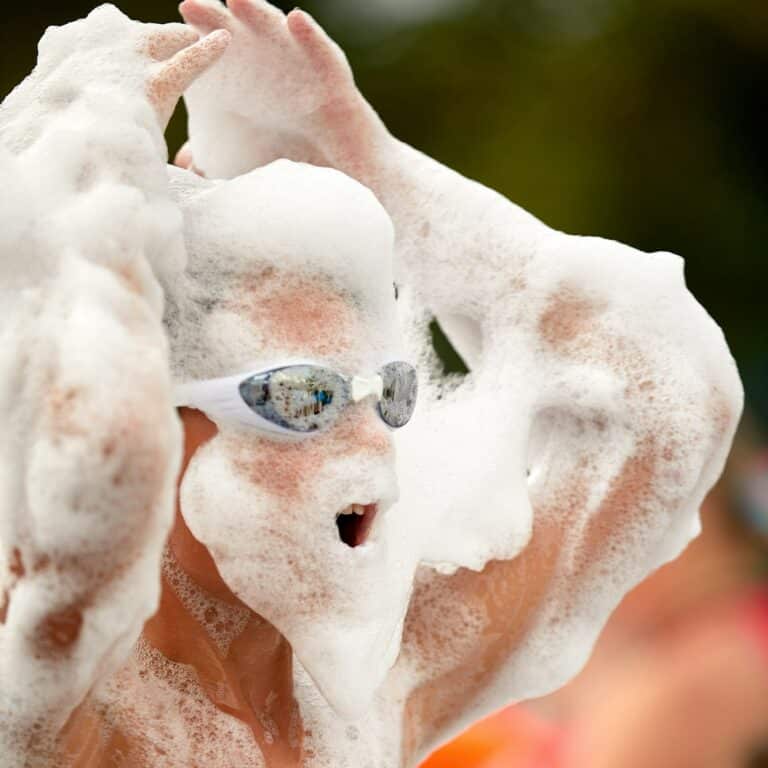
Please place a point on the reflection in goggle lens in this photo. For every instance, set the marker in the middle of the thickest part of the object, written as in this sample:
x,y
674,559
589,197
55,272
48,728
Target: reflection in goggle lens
x,y
302,398
398,398
308,398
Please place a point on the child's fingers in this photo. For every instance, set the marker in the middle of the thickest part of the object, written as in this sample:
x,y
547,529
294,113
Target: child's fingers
x,y
206,15
178,73
325,55
257,14
165,40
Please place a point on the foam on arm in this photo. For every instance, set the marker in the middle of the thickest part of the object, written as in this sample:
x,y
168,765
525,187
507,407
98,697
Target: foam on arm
x,y
90,443
599,410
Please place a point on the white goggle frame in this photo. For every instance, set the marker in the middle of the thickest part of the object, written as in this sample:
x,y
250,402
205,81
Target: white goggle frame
x,y
220,399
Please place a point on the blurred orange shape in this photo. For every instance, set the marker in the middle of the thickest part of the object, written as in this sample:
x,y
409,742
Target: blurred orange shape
x,y
512,738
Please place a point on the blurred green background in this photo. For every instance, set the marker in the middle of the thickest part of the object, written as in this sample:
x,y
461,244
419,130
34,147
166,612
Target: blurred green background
x,y
640,120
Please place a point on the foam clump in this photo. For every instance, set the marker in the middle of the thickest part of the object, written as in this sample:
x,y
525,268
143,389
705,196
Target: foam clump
x,y
90,445
571,460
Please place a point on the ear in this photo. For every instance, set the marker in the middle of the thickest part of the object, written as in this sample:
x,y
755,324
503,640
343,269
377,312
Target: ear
x,y
183,157
185,160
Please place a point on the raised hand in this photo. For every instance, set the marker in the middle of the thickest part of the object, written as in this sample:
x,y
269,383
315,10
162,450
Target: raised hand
x,y
90,444
112,59
282,89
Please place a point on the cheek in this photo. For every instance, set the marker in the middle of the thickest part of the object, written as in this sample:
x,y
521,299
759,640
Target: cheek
x,y
281,471
287,472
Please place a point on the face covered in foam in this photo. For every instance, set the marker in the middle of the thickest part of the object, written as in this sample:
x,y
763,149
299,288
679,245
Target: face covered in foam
x,y
293,264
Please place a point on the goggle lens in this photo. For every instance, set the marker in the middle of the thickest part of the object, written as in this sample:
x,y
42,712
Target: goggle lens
x,y
301,398
398,399
308,398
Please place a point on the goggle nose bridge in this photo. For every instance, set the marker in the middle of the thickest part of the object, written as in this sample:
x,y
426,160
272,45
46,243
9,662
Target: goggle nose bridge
x,y
365,386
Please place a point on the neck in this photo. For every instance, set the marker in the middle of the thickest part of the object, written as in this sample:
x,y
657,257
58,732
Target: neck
x,y
243,664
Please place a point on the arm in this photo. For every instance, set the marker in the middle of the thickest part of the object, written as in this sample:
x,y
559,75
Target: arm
x,y
90,443
592,368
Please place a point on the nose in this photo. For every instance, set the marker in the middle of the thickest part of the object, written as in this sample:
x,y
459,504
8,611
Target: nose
x,y
361,430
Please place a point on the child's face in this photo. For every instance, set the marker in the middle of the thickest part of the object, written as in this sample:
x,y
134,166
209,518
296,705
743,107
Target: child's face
x,y
266,506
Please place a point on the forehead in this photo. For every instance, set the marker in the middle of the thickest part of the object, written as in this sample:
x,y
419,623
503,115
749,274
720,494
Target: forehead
x,y
299,314
288,261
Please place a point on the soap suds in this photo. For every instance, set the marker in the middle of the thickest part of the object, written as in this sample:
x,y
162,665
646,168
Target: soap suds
x,y
591,366
515,510
567,316
276,290
90,442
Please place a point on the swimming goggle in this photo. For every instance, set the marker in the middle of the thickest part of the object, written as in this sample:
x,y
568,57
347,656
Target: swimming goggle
x,y
302,398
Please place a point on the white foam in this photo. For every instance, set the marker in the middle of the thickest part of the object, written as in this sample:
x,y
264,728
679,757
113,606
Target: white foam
x,y
90,445
592,366
534,492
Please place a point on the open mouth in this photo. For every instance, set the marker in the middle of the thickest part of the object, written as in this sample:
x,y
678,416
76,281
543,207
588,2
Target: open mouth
x,y
354,523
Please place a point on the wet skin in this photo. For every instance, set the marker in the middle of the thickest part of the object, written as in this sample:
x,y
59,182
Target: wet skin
x,y
257,665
